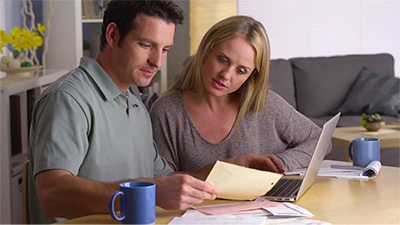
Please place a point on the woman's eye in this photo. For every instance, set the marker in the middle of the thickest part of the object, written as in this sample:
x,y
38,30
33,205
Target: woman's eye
x,y
223,60
241,71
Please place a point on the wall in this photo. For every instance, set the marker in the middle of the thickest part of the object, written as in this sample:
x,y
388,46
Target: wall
x,y
180,51
204,14
200,15
301,28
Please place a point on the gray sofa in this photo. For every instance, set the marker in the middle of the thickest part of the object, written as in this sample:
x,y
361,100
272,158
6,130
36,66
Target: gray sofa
x,y
318,87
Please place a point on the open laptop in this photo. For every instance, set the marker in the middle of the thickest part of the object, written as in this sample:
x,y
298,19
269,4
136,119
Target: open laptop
x,y
291,189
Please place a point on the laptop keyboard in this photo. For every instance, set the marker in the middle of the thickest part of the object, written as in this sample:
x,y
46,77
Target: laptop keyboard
x,y
285,188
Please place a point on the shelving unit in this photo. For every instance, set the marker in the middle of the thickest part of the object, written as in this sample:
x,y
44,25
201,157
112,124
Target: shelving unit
x,y
67,31
11,165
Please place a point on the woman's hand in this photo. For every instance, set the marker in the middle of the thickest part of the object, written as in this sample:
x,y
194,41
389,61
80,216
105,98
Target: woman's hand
x,y
260,162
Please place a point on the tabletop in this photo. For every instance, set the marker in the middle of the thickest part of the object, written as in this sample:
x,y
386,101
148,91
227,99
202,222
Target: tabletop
x,y
338,201
389,136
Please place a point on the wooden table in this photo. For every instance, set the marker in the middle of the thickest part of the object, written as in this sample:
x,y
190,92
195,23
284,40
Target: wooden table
x,y
389,137
338,201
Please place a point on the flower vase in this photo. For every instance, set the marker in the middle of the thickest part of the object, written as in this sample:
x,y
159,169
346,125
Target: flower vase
x,y
15,66
373,126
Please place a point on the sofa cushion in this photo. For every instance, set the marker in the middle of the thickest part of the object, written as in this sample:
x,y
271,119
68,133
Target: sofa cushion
x,y
320,121
372,93
281,80
322,83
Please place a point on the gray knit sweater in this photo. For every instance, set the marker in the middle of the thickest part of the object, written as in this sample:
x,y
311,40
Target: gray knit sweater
x,y
279,129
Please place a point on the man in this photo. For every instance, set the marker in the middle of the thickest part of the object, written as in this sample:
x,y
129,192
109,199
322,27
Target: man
x,y
89,133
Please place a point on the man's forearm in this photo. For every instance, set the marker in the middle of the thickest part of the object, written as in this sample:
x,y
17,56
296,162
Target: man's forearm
x,y
71,197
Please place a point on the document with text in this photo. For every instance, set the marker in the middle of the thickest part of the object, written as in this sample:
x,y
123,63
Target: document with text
x,y
342,171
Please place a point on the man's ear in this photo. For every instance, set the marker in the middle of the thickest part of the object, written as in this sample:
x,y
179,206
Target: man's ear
x,y
112,35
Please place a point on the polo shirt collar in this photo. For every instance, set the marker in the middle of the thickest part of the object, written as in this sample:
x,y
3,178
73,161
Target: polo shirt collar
x,y
101,78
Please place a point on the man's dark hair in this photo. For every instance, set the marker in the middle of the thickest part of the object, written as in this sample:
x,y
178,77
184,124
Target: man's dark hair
x,y
124,12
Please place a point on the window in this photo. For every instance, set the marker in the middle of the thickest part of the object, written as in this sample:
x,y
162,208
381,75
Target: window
x,y
2,20
303,28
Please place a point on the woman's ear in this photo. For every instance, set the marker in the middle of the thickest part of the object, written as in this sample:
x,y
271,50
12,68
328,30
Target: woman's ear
x,y
112,35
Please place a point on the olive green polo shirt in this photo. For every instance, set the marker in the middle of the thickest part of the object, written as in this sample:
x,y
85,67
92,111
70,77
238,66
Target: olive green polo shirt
x,y
83,124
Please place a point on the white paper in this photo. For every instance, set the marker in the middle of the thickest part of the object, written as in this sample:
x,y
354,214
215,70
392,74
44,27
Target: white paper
x,y
339,171
374,167
236,207
290,210
282,213
217,220
257,212
306,222
196,217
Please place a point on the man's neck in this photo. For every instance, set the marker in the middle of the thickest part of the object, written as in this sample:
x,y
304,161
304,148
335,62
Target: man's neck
x,y
105,63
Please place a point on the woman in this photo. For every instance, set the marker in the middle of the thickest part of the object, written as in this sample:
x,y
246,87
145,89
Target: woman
x,y
221,106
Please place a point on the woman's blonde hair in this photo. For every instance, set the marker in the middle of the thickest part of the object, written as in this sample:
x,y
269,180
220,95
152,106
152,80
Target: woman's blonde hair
x,y
253,92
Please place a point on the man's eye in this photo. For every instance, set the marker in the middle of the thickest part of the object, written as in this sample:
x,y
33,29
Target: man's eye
x,y
145,45
165,50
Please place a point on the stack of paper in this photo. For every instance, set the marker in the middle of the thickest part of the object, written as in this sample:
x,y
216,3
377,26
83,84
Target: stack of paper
x,y
259,211
241,183
349,172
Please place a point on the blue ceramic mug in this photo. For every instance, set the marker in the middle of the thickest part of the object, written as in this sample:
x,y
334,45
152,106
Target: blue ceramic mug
x,y
138,203
362,151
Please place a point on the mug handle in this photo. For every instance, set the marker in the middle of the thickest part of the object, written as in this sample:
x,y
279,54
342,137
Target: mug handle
x,y
350,151
111,206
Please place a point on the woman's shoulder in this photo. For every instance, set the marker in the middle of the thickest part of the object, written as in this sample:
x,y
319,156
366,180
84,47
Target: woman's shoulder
x,y
276,104
274,98
171,100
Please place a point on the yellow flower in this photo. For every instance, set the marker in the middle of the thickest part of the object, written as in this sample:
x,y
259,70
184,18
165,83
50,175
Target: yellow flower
x,y
4,37
1,48
16,30
27,41
21,39
41,28
25,32
18,46
15,34
37,42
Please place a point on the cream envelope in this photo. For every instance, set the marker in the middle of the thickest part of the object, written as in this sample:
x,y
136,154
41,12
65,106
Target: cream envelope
x,y
240,183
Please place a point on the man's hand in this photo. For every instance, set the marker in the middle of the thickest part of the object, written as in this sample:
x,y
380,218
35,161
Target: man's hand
x,y
260,162
180,191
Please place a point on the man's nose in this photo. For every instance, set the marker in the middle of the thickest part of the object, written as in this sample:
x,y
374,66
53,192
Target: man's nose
x,y
156,58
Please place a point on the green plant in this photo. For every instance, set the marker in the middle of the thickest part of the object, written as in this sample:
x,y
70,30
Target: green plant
x,y
373,118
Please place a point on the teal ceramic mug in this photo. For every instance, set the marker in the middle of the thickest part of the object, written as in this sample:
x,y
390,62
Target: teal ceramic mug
x,y
362,151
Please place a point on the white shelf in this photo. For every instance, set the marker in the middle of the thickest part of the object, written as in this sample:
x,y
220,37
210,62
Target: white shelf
x,y
16,85
12,84
92,20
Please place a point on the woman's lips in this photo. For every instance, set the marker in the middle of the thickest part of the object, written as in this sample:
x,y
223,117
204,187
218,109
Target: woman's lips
x,y
219,85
